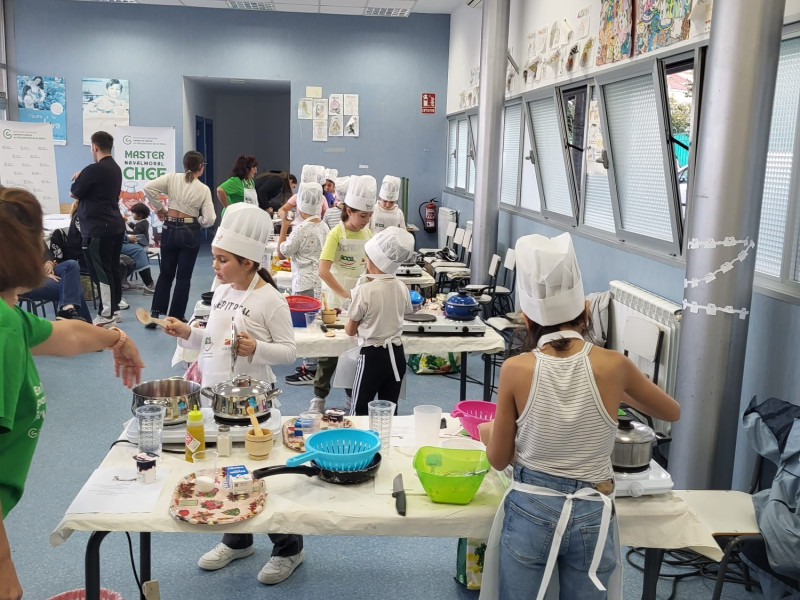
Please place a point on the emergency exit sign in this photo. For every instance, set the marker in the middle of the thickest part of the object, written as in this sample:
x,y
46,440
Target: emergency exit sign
x,y
428,103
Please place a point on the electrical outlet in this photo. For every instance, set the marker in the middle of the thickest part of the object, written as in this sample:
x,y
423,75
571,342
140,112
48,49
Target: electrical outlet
x,y
151,591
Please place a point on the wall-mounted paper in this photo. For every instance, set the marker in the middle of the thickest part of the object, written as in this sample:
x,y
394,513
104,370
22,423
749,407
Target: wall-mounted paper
x,y
351,104
541,40
105,105
313,91
43,100
336,126
29,161
320,109
351,129
584,21
654,30
335,104
319,130
304,106
614,35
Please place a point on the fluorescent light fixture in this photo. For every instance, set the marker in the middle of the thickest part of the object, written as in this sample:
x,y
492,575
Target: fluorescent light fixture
x,y
234,80
265,6
373,11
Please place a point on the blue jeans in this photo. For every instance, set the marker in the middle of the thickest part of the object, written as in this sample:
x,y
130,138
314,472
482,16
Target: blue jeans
x,y
138,253
528,528
65,292
179,248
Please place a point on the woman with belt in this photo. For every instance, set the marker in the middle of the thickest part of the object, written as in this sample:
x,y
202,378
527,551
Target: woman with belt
x,y
189,207
241,185
555,424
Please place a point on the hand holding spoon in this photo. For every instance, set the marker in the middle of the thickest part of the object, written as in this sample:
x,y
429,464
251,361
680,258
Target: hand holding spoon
x,y
145,318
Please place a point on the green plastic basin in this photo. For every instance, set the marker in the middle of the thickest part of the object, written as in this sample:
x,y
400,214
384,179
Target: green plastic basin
x,y
445,473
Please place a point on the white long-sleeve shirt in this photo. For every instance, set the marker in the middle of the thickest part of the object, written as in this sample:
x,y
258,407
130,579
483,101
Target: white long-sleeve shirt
x,y
192,198
304,246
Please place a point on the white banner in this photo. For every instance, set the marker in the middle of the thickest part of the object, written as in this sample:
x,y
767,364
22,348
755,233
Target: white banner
x,y
143,154
27,160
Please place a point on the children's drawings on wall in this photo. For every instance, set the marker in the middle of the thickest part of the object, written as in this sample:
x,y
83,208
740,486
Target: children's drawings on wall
x,y
660,23
541,40
319,130
351,129
336,127
584,21
614,34
335,104
304,108
320,109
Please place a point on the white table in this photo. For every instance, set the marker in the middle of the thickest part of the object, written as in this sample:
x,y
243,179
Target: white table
x,y
303,505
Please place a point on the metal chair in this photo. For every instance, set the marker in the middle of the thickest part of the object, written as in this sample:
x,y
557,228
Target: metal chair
x,y
33,306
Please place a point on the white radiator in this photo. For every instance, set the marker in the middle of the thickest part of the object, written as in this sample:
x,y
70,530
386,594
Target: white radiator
x,y
629,300
445,215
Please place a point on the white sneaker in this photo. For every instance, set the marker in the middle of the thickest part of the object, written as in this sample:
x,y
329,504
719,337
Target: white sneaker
x,y
102,321
123,305
279,568
317,405
221,555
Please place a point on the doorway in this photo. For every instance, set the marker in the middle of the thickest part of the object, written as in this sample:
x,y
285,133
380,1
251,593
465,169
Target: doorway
x,y
204,142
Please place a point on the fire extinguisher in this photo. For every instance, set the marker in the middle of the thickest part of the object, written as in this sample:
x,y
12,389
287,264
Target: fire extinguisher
x,y
431,217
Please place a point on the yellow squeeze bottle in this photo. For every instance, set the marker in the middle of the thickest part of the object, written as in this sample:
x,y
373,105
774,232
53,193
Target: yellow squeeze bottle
x,y
195,434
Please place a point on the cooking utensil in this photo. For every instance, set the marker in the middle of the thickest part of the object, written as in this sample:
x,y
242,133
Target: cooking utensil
x,y
324,299
633,446
399,495
461,307
472,413
339,449
254,422
420,317
176,394
328,475
234,346
230,399
145,318
449,475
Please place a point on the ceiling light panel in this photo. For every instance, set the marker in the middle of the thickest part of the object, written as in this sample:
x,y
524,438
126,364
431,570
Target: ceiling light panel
x,y
374,11
303,8
262,6
342,10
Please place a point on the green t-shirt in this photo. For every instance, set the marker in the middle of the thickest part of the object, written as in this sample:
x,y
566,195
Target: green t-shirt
x,y
22,402
336,235
234,188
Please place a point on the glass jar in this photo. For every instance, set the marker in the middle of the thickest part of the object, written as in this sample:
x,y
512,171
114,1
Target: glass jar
x,y
224,445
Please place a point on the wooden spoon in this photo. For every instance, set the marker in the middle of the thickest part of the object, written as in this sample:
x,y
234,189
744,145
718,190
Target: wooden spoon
x,y
324,300
145,318
254,421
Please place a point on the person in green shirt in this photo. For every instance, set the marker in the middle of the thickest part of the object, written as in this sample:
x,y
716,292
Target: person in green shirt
x,y
22,336
240,186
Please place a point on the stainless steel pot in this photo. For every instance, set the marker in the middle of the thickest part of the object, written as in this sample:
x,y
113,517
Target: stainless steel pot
x,y
633,446
230,399
176,394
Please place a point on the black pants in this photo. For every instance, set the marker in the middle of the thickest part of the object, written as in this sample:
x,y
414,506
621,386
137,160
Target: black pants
x,y
283,544
374,376
102,257
179,248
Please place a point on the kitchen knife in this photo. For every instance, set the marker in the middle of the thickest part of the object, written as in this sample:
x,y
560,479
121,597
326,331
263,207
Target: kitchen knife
x,y
399,495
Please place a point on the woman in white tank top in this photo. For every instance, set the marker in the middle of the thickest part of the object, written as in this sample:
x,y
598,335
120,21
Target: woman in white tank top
x,y
555,424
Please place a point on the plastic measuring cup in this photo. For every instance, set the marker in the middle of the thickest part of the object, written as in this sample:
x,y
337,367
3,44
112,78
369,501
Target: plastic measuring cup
x,y
427,422
150,419
311,322
380,420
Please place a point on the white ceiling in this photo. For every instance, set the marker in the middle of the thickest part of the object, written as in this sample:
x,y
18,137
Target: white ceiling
x,y
386,8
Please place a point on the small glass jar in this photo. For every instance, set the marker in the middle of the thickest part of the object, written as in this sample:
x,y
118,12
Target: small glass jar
x,y
224,440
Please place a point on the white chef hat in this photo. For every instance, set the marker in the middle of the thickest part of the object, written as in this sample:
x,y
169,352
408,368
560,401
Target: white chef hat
x,y
309,198
361,193
244,231
390,188
548,279
390,248
342,184
313,174
331,174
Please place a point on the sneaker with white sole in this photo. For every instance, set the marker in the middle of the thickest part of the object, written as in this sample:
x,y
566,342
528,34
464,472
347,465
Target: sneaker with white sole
x,y
102,321
317,405
149,290
304,377
123,305
221,555
279,568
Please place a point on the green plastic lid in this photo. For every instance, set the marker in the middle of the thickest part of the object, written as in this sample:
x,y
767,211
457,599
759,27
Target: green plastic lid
x,y
620,413
195,414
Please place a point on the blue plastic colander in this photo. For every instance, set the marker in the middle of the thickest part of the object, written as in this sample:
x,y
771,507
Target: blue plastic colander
x,y
339,449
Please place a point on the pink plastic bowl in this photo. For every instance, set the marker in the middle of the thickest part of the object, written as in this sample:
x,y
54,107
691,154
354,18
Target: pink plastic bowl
x,y
472,413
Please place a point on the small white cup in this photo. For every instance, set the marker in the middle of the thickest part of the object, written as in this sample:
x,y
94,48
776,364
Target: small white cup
x,y
205,470
427,422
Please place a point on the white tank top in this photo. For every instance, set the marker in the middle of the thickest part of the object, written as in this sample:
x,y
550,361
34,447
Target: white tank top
x,y
565,429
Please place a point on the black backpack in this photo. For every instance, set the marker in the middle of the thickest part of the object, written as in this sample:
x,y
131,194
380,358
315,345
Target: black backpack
x,y
58,244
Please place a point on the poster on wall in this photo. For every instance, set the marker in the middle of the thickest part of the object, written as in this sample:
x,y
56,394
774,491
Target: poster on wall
x,y
351,129
335,104
336,126
105,105
28,160
321,109
143,154
351,104
614,34
584,21
660,23
319,130
304,108
44,100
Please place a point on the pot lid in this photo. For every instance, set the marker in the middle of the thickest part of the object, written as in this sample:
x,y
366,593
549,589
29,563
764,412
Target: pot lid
x,y
242,386
633,432
461,299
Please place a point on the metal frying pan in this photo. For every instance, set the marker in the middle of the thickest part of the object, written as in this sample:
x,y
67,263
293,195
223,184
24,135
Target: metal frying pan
x,y
420,317
328,475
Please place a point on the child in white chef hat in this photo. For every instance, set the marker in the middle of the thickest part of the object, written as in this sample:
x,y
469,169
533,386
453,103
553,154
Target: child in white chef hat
x,y
556,423
309,174
387,213
304,246
247,298
333,216
329,187
376,316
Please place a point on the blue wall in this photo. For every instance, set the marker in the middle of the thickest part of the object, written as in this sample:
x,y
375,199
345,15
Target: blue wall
x,y
389,62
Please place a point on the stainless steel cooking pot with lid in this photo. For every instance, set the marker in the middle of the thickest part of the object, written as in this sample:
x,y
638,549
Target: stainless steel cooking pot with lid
x,y
176,394
633,446
230,399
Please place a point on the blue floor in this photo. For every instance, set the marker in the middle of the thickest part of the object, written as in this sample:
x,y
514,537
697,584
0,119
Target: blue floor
x,y
86,407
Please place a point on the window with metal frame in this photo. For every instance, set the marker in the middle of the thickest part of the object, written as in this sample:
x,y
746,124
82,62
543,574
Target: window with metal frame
x,y
573,106
529,191
472,152
679,86
452,137
636,136
512,148
461,154
551,170
597,209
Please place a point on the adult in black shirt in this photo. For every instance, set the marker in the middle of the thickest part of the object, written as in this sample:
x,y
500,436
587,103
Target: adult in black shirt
x,y
97,189
274,189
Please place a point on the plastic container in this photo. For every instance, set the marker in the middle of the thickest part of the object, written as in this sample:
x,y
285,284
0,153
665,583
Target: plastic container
x,y
195,433
81,595
339,449
299,306
417,299
447,475
472,413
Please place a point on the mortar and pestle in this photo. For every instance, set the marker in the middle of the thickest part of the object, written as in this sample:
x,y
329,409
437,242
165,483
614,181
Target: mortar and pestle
x,y
328,314
258,442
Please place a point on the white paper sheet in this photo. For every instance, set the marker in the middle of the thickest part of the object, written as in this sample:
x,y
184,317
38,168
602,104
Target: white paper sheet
x,y
103,494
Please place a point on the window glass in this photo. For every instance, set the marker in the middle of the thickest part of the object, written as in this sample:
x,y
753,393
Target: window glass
x,y
473,152
680,87
636,135
512,132
529,196
550,158
451,153
574,105
597,208
461,154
